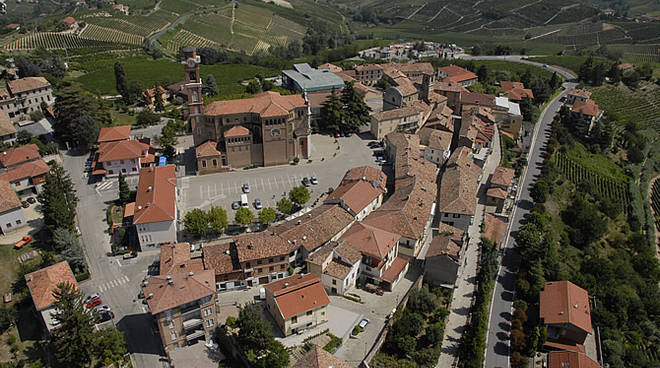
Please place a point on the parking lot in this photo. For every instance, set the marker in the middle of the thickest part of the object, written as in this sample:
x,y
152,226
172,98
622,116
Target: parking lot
x,y
270,184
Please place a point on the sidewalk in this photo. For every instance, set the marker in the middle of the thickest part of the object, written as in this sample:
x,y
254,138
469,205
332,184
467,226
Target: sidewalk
x,y
466,283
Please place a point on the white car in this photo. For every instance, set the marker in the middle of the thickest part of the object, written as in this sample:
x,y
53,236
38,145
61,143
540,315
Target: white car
x,y
314,180
102,308
257,203
246,188
364,323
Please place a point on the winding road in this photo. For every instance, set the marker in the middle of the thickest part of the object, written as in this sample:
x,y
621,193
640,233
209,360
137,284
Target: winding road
x,y
497,340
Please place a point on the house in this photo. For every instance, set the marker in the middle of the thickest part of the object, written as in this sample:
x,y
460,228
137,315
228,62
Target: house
x,y
337,264
13,26
68,21
220,258
626,67
403,119
207,156
304,78
149,96
360,194
331,67
121,8
572,359
436,144
183,305
516,91
565,311
456,74
11,212
262,257
175,258
368,73
574,95
156,214
278,127
42,283
452,91
114,134
7,129
401,94
297,303
585,114
495,228
441,118
317,357
500,186
469,100
476,132
24,96
27,178
508,116
123,156
444,255
16,156
458,189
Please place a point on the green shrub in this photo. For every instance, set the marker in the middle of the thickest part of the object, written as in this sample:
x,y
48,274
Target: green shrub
x,y
334,344
231,321
356,330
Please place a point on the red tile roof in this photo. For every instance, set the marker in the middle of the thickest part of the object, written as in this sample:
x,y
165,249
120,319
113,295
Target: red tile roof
x,y
368,173
570,359
579,93
457,74
265,104
175,258
509,85
68,20
261,245
8,198
30,169
495,228
164,292
218,257
129,210
20,154
589,107
298,294
332,67
314,228
156,195
207,149
116,133
370,240
518,94
122,150
43,282
448,240
27,84
355,194
397,266
459,184
6,126
503,176
237,131
481,99
319,358
496,193
564,302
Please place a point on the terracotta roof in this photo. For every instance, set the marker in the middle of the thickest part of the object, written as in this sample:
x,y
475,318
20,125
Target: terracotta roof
x,y
356,195
68,20
20,154
579,93
332,67
265,104
317,99
365,67
625,66
417,67
481,99
447,240
164,292
218,257
121,150
473,127
30,169
8,198
558,346
495,228
396,113
348,253
6,126
449,86
397,266
237,131
13,26
175,258
564,302
509,85
116,133
588,107
337,270
261,245
459,185
319,358
518,94
405,86
370,240
43,282
496,192
368,173
207,149
457,74
27,84
572,359
298,294
315,227
156,195
320,256
151,92
503,176
129,209
435,139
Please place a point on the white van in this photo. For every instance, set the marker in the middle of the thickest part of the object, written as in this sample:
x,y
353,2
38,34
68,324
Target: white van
x,y
244,200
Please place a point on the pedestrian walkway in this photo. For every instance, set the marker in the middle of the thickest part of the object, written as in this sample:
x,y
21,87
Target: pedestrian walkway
x,y
114,283
466,282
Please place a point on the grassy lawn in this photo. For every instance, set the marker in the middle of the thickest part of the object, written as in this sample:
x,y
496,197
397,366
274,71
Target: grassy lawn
x,y
120,118
10,265
598,163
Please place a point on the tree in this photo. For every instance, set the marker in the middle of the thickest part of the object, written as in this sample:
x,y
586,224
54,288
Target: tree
x,y
71,102
58,199
244,216
109,345
482,73
540,90
66,242
124,190
585,73
253,87
422,300
540,191
614,73
527,109
23,137
210,87
196,222
146,117
299,195
73,341
167,138
332,113
284,205
120,82
476,50
598,74
554,82
267,215
158,99
254,331
217,218
86,129
356,111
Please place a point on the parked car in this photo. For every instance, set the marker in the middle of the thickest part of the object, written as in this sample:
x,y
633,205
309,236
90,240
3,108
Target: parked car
x,y
93,302
373,144
130,255
380,292
381,159
257,203
235,205
364,323
25,204
306,182
246,188
314,180
19,244
379,153
104,316
32,200
102,308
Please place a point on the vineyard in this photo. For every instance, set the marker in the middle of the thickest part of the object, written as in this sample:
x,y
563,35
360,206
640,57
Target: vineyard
x,y
624,106
655,202
638,53
94,32
138,25
578,174
185,38
54,41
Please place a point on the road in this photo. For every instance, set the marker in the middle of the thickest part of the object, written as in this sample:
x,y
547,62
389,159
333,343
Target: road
x,y
497,345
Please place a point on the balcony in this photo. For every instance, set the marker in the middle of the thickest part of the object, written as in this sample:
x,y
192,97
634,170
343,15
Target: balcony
x,y
195,335
191,313
193,322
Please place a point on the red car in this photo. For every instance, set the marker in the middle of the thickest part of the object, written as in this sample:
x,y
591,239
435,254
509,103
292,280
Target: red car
x,y
93,302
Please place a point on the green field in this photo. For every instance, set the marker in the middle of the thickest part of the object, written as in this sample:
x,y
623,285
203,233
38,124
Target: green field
x,y
569,62
641,107
147,72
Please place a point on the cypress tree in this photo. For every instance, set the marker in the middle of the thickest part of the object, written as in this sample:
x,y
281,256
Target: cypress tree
x,y
124,190
210,86
58,199
74,339
120,81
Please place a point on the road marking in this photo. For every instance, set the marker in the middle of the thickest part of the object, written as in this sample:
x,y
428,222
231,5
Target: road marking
x,y
263,185
101,288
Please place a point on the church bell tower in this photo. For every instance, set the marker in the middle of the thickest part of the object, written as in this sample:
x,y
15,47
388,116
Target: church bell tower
x,y
193,86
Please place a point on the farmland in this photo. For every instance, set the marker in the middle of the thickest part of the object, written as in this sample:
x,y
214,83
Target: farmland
x,y
55,41
641,107
94,32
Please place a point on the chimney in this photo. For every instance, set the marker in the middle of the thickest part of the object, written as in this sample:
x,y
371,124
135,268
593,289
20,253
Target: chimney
x,y
286,284
151,295
139,207
190,273
149,189
148,204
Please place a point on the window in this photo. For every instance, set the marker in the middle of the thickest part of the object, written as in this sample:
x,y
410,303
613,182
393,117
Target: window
x,y
294,319
258,270
208,311
323,314
247,264
8,225
110,172
18,222
334,282
271,269
173,335
281,258
121,162
133,169
203,163
309,313
258,261
456,215
123,170
281,267
170,324
215,162
209,323
270,260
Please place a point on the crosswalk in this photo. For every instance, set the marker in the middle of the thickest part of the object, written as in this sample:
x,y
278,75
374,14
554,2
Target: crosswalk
x,y
113,283
112,183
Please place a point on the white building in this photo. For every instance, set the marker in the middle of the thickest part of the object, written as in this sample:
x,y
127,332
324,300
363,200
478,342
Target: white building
x,y
11,213
126,157
156,214
24,96
435,144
